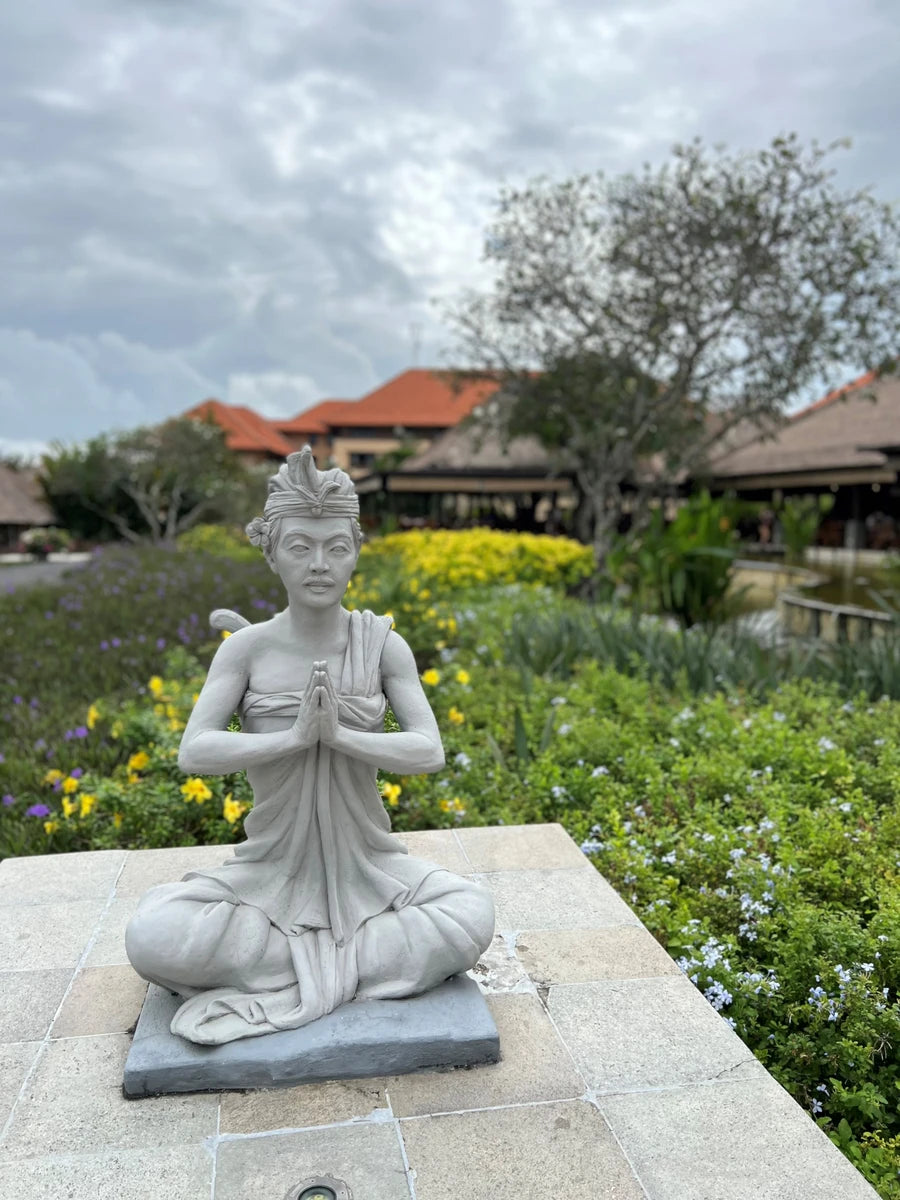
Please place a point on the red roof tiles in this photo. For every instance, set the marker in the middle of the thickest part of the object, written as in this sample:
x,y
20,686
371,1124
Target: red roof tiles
x,y
244,429
417,398
317,419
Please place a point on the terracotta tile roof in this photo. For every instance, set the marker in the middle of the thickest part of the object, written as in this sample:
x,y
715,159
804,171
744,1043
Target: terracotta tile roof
x,y
244,429
21,499
317,419
831,433
417,398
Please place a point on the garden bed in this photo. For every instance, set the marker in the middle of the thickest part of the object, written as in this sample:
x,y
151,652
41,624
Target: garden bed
x,y
745,807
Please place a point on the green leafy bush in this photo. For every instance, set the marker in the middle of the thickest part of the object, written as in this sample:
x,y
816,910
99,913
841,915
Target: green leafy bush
x,y
682,566
750,818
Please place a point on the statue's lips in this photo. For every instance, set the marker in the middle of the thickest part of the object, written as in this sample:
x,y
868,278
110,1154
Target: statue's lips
x,y
319,585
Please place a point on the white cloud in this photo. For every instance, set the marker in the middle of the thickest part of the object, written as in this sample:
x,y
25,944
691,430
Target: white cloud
x,y
259,201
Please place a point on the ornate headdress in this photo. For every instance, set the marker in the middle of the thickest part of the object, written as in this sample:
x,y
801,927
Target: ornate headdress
x,y
301,490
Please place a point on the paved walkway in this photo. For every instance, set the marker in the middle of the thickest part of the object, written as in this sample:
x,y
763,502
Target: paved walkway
x,y
17,575
618,1081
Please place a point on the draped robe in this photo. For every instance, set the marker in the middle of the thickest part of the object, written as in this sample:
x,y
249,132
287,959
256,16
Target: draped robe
x,y
319,868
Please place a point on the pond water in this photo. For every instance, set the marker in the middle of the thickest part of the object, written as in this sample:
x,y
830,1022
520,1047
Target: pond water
x,y
857,589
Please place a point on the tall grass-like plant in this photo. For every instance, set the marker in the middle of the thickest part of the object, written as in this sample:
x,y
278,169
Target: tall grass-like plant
x,y
800,517
683,567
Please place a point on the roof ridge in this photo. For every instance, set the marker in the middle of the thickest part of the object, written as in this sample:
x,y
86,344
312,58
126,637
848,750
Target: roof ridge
x,y
834,394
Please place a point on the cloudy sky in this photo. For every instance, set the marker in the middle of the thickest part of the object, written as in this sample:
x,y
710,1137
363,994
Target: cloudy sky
x,y
258,199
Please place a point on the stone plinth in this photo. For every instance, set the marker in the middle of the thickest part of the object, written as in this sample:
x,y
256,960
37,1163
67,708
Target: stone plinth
x,y
450,1026
617,1081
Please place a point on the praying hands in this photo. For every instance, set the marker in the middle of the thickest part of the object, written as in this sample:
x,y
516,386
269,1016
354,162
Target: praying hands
x,y
317,718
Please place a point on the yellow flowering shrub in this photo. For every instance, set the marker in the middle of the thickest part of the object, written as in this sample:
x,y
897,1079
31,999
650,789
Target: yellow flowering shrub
x,y
444,560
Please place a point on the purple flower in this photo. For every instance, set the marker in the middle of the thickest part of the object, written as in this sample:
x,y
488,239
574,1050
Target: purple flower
x,y
116,642
17,699
37,810
81,731
104,645
76,773
40,744
160,643
8,799
32,703
69,734
2,758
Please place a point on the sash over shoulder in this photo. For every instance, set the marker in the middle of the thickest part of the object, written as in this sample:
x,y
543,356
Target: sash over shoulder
x,y
319,852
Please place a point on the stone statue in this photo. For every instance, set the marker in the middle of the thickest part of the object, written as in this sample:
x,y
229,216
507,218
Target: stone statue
x,y
320,904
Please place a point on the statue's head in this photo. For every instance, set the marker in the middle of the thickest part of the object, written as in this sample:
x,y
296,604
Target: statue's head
x,y
300,493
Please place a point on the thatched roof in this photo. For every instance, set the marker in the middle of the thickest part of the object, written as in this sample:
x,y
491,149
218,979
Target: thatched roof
x,y
843,430
464,449
21,499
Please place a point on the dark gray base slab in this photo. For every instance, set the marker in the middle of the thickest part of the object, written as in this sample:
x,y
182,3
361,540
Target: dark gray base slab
x,y
450,1026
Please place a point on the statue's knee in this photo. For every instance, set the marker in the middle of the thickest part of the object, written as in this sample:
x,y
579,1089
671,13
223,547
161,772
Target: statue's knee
x,y
482,918
153,937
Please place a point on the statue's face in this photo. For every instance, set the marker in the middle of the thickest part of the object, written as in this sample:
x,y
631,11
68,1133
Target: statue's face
x,y
315,557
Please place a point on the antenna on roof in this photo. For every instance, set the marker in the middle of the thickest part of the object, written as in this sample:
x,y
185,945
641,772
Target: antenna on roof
x,y
415,338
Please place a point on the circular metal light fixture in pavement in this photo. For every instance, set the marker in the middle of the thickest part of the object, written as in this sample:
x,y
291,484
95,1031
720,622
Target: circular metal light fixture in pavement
x,y
322,1187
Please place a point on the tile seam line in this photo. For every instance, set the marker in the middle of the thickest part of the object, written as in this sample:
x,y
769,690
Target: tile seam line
x,y
45,1041
462,848
410,1183
587,1093
584,869
600,1094
617,979
214,1151
584,1098
378,1116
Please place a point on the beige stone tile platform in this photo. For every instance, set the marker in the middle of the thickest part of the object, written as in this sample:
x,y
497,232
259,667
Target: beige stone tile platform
x,y
618,1080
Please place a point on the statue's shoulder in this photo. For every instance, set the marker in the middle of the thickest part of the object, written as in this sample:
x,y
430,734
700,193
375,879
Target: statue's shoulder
x,y
372,621
242,635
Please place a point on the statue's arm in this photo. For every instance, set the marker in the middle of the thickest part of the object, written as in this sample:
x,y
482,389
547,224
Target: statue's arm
x,y
207,747
417,749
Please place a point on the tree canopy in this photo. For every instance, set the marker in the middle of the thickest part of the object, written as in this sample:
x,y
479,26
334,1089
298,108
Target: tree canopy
x,y
637,321
149,484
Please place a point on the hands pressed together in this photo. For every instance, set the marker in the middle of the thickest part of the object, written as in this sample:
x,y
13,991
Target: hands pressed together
x,y
317,720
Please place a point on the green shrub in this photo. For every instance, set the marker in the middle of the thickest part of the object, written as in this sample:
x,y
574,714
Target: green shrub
x,y
749,819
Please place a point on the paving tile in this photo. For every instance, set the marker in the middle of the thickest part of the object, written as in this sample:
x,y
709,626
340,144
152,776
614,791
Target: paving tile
x,y
520,847
366,1157
437,846
15,1062
144,869
637,1033
74,1105
555,899
172,1173
585,955
300,1107
28,1002
528,1153
39,937
108,949
46,878
101,1000
534,1066
741,1140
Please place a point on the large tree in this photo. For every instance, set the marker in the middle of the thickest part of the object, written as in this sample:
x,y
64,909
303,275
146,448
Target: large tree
x,y
148,484
637,321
